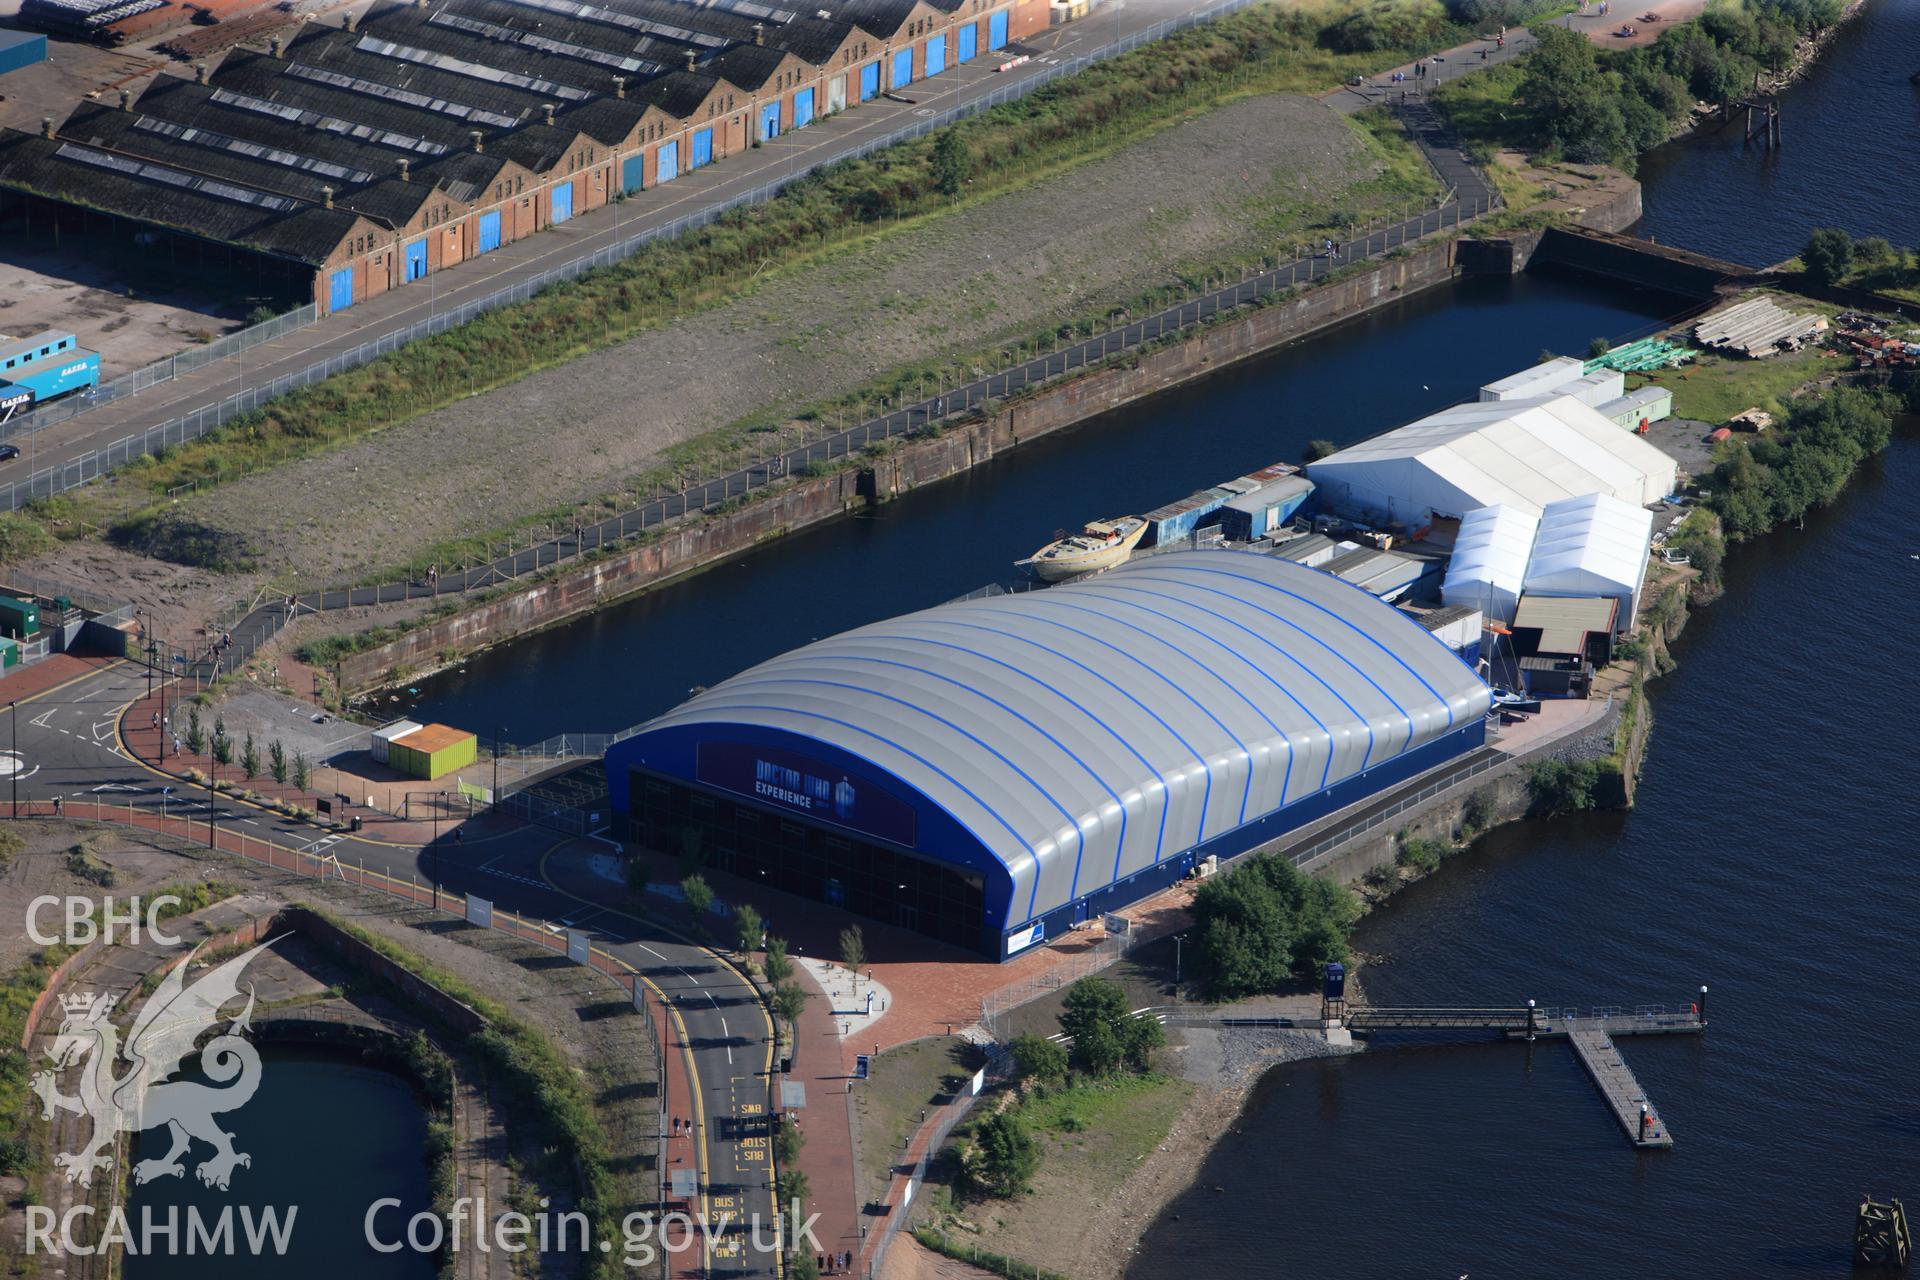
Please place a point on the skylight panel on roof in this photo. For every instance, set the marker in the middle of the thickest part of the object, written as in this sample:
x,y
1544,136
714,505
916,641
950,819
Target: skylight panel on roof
x,y
253,150
175,178
373,88
745,8
461,67
595,13
332,124
507,35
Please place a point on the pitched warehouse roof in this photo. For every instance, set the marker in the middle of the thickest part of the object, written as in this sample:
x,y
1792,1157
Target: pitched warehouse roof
x,y
1088,732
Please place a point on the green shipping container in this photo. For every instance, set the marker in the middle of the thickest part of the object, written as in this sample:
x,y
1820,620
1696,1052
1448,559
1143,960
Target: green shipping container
x,y
9,654
432,751
19,618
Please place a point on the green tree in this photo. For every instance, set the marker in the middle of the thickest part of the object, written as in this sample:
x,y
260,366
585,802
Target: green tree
x,y
1597,348
793,1189
779,967
1265,924
277,761
1318,449
1038,1058
222,744
301,772
790,1001
1008,1156
250,758
787,1142
696,893
1106,1037
853,948
1560,786
636,874
747,928
952,162
1828,255
196,736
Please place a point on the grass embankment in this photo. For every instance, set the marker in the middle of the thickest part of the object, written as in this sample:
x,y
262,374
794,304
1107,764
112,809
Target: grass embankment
x,y
544,1091
1264,50
20,1109
906,1082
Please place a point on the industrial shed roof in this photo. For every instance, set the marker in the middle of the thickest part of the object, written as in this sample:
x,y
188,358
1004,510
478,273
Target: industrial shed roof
x,y
1520,453
1594,545
1489,564
1088,732
815,39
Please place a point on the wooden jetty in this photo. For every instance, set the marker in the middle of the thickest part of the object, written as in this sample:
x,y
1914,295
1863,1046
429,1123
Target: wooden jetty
x,y
1591,1033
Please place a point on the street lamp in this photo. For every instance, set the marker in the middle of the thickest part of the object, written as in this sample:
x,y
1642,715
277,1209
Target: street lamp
x,y
14,716
498,734
1178,938
434,848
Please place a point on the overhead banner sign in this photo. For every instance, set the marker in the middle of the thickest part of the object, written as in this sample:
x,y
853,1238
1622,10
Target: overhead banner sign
x,y
479,912
796,783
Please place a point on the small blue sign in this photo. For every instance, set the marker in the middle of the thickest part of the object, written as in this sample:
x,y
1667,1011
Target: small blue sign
x,y
860,1066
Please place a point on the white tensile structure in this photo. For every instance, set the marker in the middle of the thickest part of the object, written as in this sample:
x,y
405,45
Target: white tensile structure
x,y
1517,453
1489,564
1589,547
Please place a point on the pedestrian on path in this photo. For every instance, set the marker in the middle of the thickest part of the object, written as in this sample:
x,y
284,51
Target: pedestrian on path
x,y
59,807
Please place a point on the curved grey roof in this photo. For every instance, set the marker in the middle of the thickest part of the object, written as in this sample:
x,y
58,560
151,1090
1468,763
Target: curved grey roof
x,y
1086,732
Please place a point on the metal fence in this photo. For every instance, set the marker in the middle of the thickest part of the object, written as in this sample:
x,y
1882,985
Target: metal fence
x,y
51,589
63,476
998,1069
996,1005
160,371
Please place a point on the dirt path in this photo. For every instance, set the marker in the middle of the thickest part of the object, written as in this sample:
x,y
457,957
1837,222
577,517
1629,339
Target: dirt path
x,y
1230,180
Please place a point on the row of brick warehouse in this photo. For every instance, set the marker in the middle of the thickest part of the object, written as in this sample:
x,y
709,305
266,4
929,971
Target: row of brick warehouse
x,y
356,159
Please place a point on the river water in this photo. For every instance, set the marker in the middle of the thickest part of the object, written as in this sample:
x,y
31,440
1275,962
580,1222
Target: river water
x,y
1770,854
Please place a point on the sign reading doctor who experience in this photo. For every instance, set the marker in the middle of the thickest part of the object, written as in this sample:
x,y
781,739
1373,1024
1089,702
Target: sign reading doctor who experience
x,y
800,784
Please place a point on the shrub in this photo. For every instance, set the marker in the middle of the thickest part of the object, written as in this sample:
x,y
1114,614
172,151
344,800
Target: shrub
x,y
1006,1156
1265,924
1557,786
1038,1059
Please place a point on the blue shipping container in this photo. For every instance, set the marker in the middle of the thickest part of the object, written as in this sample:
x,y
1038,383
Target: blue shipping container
x,y
969,42
869,81
43,365
702,148
936,55
902,70
562,202
802,108
21,49
997,30
489,231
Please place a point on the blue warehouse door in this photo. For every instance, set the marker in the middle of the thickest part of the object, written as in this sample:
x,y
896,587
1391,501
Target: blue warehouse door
x,y
417,259
562,202
666,165
340,289
869,81
969,44
803,108
702,148
902,69
489,231
770,122
997,30
633,173
936,55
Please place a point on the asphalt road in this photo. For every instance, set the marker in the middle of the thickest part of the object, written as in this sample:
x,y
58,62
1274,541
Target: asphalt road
x,y
66,743
394,312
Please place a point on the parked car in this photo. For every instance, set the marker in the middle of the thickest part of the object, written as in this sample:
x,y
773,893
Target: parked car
x,y
8,452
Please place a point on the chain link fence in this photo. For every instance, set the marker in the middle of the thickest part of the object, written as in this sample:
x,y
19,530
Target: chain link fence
x,y
78,471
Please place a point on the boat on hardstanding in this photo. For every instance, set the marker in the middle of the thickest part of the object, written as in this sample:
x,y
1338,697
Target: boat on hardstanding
x,y
1101,545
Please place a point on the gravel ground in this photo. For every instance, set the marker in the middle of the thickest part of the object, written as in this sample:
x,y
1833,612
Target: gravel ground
x,y
177,599
996,270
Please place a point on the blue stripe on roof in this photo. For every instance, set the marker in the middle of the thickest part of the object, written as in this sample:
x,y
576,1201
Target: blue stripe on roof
x,y
1155,780
1079,836
1064,748
1351,664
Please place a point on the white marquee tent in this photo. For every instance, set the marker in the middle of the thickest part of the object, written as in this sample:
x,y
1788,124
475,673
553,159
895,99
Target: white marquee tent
x,y
1517,453
1489,564
1592,546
